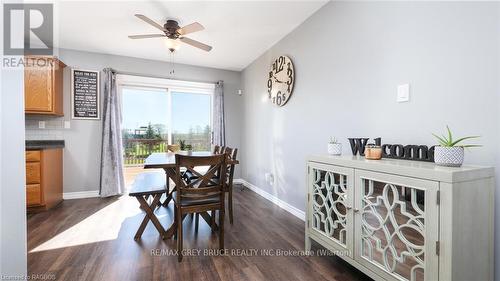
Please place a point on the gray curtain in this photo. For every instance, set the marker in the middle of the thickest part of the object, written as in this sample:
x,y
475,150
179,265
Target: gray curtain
x,y
219,130
112,180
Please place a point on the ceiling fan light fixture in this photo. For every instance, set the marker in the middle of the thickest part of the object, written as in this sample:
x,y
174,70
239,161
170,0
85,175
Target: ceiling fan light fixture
x,y
174,32
172,45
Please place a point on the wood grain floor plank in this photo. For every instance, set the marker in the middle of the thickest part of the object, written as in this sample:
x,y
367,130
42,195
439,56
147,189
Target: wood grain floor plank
x,y
93,239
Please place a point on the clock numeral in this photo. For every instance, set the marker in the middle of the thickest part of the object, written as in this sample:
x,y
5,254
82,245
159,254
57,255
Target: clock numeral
x,y
280,98
289,72
278,64
269,86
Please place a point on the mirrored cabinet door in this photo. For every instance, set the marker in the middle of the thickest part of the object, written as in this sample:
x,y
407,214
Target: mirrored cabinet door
x,y
331,193
396,226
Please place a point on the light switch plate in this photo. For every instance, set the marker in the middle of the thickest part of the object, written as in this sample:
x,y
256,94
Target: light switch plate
x,y
403,93
41,124
67,125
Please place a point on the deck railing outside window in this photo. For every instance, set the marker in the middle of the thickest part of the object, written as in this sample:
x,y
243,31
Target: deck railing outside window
x,y
137,150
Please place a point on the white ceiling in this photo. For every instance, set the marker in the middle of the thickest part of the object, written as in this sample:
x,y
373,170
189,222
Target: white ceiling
x,y
238,31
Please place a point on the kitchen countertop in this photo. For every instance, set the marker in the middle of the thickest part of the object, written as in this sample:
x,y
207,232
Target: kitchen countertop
x,y
44,144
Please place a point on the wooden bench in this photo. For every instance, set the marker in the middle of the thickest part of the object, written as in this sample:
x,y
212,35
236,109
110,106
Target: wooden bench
x,y
145,185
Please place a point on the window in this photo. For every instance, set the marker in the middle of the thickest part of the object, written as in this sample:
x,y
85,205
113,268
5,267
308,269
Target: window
x,y
158,112
193,125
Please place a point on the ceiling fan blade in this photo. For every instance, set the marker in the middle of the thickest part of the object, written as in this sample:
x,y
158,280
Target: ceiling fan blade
x,y
150,21
143,36
190,28
195,43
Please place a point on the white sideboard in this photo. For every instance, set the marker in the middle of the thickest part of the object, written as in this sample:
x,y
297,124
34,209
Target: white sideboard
x,y
403,220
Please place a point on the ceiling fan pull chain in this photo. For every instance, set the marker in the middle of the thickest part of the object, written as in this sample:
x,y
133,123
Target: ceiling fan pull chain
x,y
172,62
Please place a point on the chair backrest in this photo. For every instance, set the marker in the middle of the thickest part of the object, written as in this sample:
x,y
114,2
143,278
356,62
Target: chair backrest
x,y
206,185
216,149
231,155
173,147
222,149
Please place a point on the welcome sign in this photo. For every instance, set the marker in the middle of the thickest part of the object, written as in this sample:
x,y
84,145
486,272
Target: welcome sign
x,y
394,151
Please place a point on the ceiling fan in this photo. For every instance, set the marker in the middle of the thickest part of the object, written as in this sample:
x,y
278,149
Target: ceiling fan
x,y
173,31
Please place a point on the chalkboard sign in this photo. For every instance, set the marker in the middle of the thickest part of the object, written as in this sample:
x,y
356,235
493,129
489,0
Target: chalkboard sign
x,y
85,94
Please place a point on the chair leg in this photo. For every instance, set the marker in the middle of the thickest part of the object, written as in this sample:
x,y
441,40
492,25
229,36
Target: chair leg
x,y
175,219
230,203
212,220
221,229
196,221
179,236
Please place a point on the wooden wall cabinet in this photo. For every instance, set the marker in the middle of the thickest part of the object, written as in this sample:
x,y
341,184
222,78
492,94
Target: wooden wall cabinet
x,y
44,178
43,86
403,220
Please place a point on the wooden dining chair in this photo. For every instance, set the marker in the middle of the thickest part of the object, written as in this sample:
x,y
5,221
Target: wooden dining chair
x,y
231,154
204,193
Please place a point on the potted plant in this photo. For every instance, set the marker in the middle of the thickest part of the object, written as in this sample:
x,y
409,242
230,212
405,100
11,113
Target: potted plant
x,y
334,147
189,149
450,152
185,147
182,145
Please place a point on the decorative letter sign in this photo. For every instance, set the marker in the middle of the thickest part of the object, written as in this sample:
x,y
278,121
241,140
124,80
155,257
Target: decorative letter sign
x,y
394,151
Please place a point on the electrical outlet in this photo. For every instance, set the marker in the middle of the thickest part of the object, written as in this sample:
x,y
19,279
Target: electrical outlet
x,y
403,93
269,178
67,125
41,124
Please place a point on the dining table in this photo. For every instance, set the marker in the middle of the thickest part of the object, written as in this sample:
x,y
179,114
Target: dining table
x,y
166,161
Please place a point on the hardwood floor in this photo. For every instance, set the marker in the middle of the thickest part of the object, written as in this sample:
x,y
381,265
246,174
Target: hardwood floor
x,y
93,239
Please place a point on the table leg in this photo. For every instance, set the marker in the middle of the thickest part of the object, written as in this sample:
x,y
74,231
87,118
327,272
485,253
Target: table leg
x,y
169,194
205,216
172,228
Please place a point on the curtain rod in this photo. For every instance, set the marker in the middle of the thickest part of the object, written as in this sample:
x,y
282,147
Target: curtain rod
x,y
157,76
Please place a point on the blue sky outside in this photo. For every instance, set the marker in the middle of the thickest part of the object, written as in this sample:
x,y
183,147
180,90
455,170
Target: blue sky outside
x,y
143,106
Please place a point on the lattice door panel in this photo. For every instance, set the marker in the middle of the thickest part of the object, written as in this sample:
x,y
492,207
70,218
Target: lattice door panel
x,y
397,223
331,196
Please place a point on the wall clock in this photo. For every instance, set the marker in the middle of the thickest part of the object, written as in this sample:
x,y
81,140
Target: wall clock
x,y
280,81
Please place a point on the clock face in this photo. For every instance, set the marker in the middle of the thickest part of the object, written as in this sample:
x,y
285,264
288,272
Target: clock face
x,y
280,80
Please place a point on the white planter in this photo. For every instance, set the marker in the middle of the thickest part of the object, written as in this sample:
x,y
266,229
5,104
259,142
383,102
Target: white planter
x,y
449,156
186,152
335,148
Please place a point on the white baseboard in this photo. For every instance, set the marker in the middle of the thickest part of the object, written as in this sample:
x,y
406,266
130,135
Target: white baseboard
x,y
80,194
282,204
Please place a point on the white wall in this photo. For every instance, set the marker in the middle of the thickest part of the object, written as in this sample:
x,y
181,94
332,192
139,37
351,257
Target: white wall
x,y
12,175
13,259
83,140
349,58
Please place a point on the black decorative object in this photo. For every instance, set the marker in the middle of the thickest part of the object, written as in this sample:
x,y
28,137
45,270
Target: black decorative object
x,y
408,152
358,145
394,151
